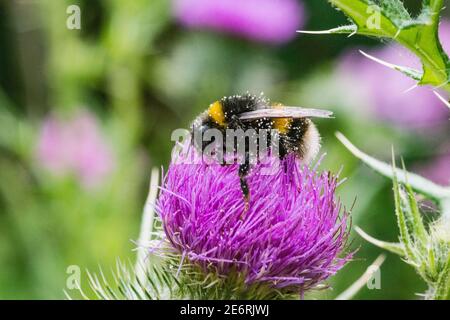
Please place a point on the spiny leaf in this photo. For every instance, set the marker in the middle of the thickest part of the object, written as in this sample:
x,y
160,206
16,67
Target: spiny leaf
x,y
393,247
446,103
394,10
418,183
443,284
431,261
339,30
405,236
417,222
160,283
362,13
412,73
389,19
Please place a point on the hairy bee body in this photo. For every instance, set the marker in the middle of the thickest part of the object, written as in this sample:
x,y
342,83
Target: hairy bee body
x,y
296,134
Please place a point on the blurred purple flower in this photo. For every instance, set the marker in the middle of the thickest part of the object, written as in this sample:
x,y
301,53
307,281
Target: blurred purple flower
x,y
272,21
75,146
387,91
291,237
437,169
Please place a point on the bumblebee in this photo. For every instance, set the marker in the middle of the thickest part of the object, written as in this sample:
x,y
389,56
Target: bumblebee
x,y
297,134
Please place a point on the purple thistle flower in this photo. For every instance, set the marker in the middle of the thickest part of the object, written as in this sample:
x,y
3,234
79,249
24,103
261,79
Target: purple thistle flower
x,y
292,236
387,91
75,146
438,168
272,21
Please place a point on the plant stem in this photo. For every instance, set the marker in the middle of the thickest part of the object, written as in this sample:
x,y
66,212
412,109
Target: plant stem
x,y
350,292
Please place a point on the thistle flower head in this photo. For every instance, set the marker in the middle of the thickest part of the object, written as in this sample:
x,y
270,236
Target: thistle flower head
x,y
75,146
291,237
271,21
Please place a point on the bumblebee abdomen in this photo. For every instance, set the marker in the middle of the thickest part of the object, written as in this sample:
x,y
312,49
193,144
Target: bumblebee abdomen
x,y
292,135
296,128
303,139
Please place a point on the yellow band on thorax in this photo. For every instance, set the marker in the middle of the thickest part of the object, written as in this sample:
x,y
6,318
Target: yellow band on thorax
x,y
215,112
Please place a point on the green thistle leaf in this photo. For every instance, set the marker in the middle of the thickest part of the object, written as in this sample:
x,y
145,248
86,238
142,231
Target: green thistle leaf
x,y
409,72
389,19
405,234
418,228
443,283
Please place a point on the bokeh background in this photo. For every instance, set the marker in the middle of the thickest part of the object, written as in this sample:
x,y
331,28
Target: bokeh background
x,y
85,114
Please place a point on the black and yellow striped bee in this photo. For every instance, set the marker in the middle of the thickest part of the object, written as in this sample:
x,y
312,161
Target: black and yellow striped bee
x,y
296,132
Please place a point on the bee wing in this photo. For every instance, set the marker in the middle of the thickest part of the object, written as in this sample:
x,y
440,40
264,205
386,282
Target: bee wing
x,y
285,112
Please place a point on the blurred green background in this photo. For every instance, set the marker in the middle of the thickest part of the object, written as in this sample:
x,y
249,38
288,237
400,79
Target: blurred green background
x,y
139,74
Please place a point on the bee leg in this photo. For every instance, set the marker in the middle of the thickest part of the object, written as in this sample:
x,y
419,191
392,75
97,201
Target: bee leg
x,y
283,152
224,155
244,168
245,190
243,171
285,167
